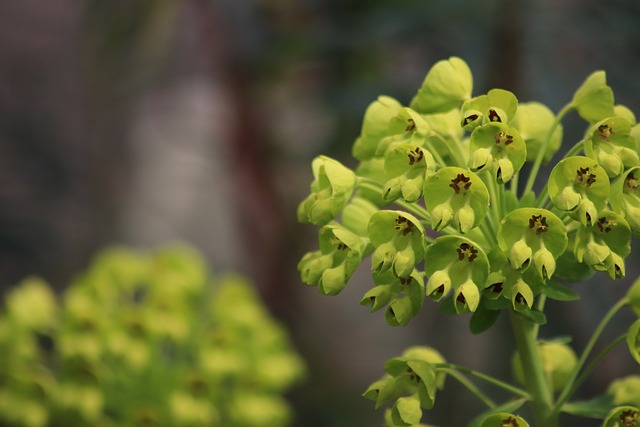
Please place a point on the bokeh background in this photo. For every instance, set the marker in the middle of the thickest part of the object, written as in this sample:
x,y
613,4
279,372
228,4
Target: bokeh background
x,y
149,121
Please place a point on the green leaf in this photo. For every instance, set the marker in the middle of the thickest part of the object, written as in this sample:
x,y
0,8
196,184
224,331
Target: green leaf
x,y
533,315
446,86
570,269
558,292
483,318
594,98
597,408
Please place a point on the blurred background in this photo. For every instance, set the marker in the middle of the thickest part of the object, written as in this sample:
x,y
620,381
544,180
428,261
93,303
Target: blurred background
x,y
152,121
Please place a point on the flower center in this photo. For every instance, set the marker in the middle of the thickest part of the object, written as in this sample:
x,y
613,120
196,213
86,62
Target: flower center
x,y
604,225
411,125
604,132
460,182
465,250
539,223
503,139
404,225
631,183
509,422
493,116
584,176
415,156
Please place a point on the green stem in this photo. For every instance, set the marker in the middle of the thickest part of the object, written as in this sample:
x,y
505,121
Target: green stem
x,y
488,378
414,208
525,334
471,387
571,384
536,165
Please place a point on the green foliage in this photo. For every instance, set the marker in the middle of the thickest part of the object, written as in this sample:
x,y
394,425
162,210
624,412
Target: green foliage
x,y
144,340
448,205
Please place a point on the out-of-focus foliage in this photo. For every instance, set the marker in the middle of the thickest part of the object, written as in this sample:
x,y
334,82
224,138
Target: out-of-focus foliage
x,y
144,340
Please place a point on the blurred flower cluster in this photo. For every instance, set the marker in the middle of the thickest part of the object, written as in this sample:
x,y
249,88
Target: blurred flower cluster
x,y
144,340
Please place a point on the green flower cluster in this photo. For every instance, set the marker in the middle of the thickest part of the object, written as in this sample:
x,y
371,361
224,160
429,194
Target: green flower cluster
x,y
440,201
144,340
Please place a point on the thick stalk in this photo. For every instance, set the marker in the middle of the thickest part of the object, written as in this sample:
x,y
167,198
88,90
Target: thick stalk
x,y
525,334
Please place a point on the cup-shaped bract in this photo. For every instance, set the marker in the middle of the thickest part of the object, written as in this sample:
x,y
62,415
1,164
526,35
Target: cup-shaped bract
x,y
404,296
330,267
427,354
625,390
594,98
356,215
458,264
605,244
623,416
331,189
498,148
406,411
534,121
418,374
399,241
406,166
609,143
375,126
504,419
529,235
625,197
580,186
498,105
458,196
447,84
558,362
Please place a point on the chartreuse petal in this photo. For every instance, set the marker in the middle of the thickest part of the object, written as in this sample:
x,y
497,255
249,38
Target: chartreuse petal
x,y
624,112
558,362
498,105
458,196
609,143
526,233
625,197
623,416
594,98
580,186
458,264
399,241
329,268
504,419
406,167
447,84
375,126
430,355
633,340
331,189
534,120
383,390
406,411
605,244
499,148
418,374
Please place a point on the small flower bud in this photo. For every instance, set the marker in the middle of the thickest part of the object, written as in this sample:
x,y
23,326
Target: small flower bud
x,y
406,411
312,265
439,285
544,263
567,199
480,159
520,255
611,163
403,262
377,297
333,280
441,216
596,253
465,218
586,212
466,297
504,170
382,257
